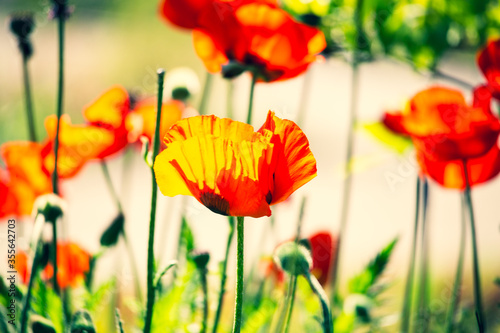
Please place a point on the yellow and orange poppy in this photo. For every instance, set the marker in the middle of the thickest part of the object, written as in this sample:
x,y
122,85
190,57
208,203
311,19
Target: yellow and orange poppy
x,y
231,169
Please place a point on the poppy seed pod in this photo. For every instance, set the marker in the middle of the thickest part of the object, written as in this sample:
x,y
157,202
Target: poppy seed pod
x,y
50,206
293,258
201,259
22,25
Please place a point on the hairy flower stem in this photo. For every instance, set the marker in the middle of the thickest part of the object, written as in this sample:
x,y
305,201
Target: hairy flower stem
x,y
39,222
206,93
292,289
55,178
154,192
130,251
30,115
238,305
325,306
250,100
481,321
222,288
423,303
455,296
407,302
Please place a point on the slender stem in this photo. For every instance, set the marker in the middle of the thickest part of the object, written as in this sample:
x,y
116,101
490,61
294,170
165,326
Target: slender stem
x,y
250,101
206,93
406,312
455,296
305,96
325,306
29,101
229,99
54,256
441,75
423,304
111,188
60,89
222,289
152,220
481,320
130,252
204,287
346,193
292,290
40,220
238,306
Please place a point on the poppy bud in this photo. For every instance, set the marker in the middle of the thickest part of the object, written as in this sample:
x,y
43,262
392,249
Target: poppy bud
x,y
50,206
293,258
82,322
42,325
182,83
200,259
360,305
22,25
60,9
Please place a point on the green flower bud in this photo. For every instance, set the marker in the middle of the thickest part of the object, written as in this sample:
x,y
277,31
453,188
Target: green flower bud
x,y
200,259
22,24
50,206
82,323
293,258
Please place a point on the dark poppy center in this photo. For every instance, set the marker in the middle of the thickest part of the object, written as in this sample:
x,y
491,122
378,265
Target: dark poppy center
x,y
215,203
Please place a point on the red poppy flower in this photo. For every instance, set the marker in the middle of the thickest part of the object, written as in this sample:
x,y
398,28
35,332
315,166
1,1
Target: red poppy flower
x,y
109,111
322,247
78,144
488,60
231,169
445,128
141,121
184,14
72,264
446,132
25,178
257,36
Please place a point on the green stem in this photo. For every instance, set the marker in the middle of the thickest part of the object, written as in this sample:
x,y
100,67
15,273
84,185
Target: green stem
x,y
455,296
34,270
229,99
250,100
481,321
60,89
130,252
406,312
204,287
154,192
318,290
222,289
54,256
424,265
29,101
347,186
238,306
292,290
205,94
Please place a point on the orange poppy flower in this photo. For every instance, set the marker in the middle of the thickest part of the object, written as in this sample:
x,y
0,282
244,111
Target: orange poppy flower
x,y
25,178
444,127
72,264
456,133
22,266
322,248
183,14
141,121
109,111
231,169
78,144
257,36
488,60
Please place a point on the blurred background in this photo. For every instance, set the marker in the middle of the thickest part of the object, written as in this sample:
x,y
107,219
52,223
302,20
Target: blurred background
x,y
124,42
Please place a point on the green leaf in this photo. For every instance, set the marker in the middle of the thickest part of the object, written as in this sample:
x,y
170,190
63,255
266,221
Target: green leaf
x,y
379,131
40,324
100,296
187,236
497,281
47,303
362,282
82,322
159,277
111,235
